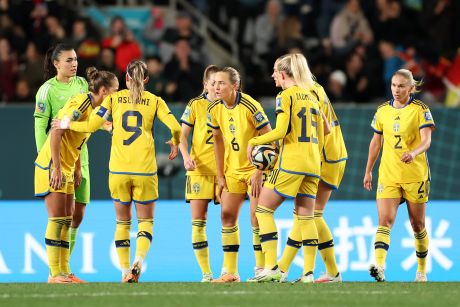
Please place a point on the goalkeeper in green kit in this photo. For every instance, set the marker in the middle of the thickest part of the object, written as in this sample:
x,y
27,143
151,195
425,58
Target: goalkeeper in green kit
x,y
63,83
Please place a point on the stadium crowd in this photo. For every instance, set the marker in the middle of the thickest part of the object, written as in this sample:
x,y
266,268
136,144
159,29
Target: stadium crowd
x,y
353,47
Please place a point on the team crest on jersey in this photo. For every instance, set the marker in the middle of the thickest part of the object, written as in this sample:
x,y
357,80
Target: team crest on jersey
x,y
76,115
41,107
278,103
209,118
380,188
428,115
196,188
396,127
259,117
186,114
232,128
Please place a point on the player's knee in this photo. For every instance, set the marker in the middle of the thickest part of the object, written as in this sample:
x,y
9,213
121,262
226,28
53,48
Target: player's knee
x,y
228,218
417,225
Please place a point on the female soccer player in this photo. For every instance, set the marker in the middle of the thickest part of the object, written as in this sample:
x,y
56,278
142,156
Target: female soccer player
x,y
55,168
404,126
60,70
235,118
333,161
133,168
201,181
300,129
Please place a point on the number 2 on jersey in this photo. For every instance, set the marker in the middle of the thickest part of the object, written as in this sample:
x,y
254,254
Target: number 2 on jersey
x,y
135,129
303,133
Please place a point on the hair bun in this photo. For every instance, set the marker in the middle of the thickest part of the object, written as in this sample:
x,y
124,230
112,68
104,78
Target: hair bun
x,y
91,72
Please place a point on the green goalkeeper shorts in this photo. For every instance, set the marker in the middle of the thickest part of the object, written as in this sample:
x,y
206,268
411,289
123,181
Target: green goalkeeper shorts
x,y
82,193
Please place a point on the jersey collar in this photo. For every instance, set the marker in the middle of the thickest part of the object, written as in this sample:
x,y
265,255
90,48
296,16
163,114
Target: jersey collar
x,y
237,101
90,97
411,98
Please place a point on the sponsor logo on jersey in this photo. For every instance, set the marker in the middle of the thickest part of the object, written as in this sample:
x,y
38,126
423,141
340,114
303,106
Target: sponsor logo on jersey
x,y
232,128
278,103
428,115
76,115
259,117
186,114
41,107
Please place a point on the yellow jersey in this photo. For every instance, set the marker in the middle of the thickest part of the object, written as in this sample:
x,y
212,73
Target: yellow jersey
x,y
202,152
334,149
77,108
401,133
299,126
238,124
133,147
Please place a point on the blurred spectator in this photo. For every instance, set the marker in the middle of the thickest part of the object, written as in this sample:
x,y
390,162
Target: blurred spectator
x,y
391,63
183,30
122,41
154,29
183,74
336,85
157,80
350,28
290,36
438,18
390,25
8,70
266,27
23,92
31,70
106,61
56,32
357,87
452,82
86,45
327,10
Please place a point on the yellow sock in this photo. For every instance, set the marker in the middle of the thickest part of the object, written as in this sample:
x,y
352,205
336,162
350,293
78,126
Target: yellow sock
x,y
65,250
231,245
53,243
259,255
381,245
294,242
421,249
326,244
309,241
144,237
200,245
123,243
268,235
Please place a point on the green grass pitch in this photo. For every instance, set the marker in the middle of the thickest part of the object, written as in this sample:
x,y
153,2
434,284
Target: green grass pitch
x,y
242,294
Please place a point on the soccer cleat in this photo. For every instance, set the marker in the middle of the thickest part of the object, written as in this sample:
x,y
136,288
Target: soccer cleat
x,y
227,278
420,277
133,274
308,278
284,276
257,271
207,277
267,276
75,279
326,278
60,279
377,272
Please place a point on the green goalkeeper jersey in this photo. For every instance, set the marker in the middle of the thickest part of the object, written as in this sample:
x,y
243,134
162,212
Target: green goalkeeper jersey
x,y
50,98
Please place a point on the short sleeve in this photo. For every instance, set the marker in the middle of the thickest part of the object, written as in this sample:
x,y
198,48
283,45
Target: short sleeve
x,y
212,118
259,118
425,118
188,117
376,124
42,102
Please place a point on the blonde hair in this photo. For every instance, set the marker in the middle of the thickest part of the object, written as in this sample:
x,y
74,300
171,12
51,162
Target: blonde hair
x,y
407,74
233,75
295,66
211,69
137,72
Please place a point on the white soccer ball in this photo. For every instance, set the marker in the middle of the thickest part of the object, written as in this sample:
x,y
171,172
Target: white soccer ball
x,y
264,156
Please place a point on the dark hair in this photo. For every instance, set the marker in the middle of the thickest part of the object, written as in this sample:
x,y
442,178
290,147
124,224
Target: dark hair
x,y
153,58
99,78
52,54
137,72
